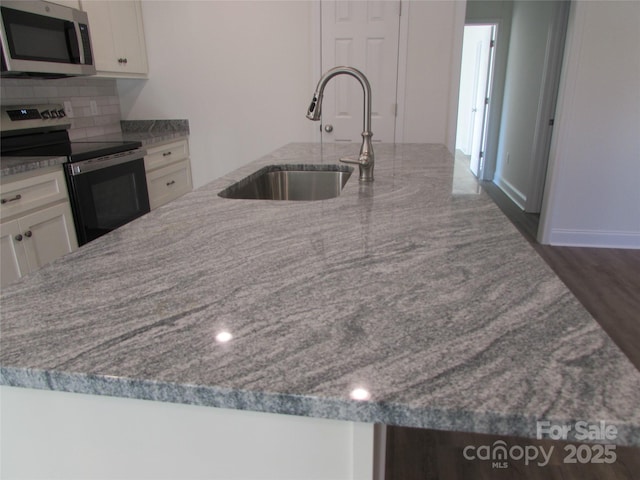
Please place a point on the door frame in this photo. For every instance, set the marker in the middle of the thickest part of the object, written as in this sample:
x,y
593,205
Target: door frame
x,y
496,88
403,42
554,53
487,94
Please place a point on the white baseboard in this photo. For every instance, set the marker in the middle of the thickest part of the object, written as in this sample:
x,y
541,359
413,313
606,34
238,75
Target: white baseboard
x,y
594,238
510,191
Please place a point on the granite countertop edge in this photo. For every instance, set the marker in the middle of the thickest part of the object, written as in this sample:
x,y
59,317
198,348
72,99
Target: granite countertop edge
x,y
492,423
16,165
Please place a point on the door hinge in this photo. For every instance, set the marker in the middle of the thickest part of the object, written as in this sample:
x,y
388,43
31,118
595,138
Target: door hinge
x,y
486,101
551,122
400,8
492,43
395,109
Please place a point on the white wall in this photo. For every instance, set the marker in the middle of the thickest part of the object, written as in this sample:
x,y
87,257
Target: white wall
x,y
239,71
524,77
592,194
242,72
433,71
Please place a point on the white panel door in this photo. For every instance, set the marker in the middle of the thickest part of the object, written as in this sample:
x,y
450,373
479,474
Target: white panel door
x,y
363,35
483,44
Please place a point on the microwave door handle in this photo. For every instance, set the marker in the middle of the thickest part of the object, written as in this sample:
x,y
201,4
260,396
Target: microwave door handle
x,y
76,25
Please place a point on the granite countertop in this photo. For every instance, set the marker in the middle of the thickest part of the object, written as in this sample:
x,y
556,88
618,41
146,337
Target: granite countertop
x,y
431,301
14,165
148,132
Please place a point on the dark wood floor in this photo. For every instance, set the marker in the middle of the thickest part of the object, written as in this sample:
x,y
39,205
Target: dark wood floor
x,y
607,283
418,454
605,280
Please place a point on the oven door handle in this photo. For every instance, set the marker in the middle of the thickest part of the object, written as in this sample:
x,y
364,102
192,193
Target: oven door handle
x,y
86,166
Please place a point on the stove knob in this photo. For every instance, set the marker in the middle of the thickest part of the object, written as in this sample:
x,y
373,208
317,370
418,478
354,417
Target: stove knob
x,y
45,114
61,113
54,114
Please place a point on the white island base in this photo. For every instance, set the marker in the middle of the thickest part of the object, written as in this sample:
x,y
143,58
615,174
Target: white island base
x,y
50,434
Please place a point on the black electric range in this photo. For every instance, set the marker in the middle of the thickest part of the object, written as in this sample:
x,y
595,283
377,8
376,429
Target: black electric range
x,y
106,180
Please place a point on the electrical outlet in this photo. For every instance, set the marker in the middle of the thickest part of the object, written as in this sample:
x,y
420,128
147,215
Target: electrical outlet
x,y
68,109
94,107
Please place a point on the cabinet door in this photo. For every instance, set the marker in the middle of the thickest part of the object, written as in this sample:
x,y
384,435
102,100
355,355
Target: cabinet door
x,y
102,33
13,258
28,192
163,155
168,183
117,35
130,36
48,234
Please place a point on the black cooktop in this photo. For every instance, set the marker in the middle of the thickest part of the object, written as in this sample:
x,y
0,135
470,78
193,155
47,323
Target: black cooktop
x,y
75,151
32,131
86,150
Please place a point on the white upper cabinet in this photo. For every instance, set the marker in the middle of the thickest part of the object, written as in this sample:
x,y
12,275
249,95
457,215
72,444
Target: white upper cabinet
x,y
117,35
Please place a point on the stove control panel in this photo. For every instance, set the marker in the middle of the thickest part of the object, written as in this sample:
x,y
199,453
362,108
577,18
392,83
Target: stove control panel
x,y
33,117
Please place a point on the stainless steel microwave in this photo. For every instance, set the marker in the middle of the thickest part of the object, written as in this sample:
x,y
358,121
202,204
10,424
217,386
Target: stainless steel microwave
x,y
42,39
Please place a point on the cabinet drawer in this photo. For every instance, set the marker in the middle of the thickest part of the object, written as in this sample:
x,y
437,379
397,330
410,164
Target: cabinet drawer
x,y
30,191
160,156
169,183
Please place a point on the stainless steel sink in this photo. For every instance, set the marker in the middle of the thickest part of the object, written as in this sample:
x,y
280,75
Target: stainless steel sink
x,y
291,182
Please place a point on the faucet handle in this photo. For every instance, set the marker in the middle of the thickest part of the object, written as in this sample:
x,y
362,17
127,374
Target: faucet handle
x,y
365,162
362,159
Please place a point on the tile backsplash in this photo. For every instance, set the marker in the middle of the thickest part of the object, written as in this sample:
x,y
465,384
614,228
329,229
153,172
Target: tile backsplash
x,y
80,92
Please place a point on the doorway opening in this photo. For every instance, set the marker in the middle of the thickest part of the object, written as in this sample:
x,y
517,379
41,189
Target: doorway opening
x,y
474,99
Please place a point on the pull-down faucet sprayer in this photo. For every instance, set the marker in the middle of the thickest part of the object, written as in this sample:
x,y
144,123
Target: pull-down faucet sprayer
x,y
366,159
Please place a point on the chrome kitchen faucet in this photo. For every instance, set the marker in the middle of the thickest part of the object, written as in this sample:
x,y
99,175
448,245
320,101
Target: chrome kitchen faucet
x,y
365,159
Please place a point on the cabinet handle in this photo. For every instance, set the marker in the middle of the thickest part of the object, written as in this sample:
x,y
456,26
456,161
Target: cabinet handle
x,y
170,183
18,238
166,154
7,200
122,60
28,234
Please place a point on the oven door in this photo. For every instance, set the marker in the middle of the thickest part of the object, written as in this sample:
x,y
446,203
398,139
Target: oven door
x,y
106,193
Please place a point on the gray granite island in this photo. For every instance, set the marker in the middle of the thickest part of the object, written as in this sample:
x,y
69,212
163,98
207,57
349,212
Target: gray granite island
x,y
429,300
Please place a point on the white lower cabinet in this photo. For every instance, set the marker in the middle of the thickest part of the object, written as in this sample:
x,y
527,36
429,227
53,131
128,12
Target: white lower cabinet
x,y
36,224
168,171
76,435
169,183
13,258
